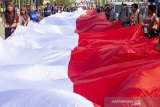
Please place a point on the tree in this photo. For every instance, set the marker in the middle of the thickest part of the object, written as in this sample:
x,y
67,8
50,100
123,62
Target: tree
x,y
22,2
52,1
65,2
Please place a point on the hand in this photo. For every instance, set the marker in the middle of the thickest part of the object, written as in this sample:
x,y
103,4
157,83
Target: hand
x,y
12,26
123,21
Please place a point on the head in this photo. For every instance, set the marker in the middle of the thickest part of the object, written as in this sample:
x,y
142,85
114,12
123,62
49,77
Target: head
x,y
110,7
10,6
37,8
23,11
151,9
142,9
90,6
106,9
10,13
48,4
124,7
31,8
134,7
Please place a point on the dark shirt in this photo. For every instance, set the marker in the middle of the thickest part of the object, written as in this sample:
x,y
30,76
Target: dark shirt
x,y
47,11
158,12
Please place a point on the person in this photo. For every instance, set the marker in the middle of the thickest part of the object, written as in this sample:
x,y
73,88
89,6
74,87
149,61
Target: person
x,y
38,13
98,9
90,7
24,18
29,8
106,10
153,22
135,17
112,14
59,10
94,5
143,12
48,10
123,15
18,12
10,19
53,9
33,15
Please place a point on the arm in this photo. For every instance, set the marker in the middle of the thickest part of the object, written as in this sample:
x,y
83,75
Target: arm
x,y
140,19
27,22
156,24
17,21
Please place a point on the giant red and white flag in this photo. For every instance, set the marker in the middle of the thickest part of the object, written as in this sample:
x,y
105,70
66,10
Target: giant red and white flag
x,y
79,60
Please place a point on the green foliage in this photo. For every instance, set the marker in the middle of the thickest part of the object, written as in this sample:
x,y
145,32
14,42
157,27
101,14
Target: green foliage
x,y
65,2
52,1
27,2
23,2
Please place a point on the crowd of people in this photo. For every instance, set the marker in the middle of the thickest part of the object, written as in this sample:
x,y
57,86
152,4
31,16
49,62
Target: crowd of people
x,y
14,17
148,15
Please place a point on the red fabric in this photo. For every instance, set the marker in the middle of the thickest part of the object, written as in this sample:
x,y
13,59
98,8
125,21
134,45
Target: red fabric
x,y
114,63
95,22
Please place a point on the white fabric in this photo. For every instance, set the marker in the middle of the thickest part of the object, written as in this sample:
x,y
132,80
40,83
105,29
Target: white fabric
x,y
34,64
